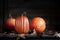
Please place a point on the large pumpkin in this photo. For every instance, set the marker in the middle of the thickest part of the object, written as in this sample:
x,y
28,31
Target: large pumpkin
x,y
22,25
38,24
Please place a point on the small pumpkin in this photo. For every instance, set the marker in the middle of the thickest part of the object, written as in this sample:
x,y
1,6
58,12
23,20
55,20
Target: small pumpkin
x,y
10,23
38,24
22,25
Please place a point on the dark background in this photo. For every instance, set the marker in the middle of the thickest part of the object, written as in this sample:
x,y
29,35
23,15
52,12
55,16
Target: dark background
x,y
47,9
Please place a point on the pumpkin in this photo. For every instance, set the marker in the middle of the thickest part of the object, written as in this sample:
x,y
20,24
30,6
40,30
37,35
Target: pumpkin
x,y
22,25
10,23
38,24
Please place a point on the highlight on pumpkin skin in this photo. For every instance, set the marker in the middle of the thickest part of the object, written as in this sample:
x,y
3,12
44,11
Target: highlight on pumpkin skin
x,y
42,26
38,24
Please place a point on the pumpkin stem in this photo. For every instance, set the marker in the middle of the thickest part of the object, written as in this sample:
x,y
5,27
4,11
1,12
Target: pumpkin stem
x,y
24,13
10,16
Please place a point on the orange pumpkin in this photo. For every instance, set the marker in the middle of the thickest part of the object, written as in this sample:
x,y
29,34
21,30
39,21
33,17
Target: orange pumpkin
x,y
10,23
22,25
38,24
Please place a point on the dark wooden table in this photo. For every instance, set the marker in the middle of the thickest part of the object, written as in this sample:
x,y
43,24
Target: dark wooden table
x,y
16,37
